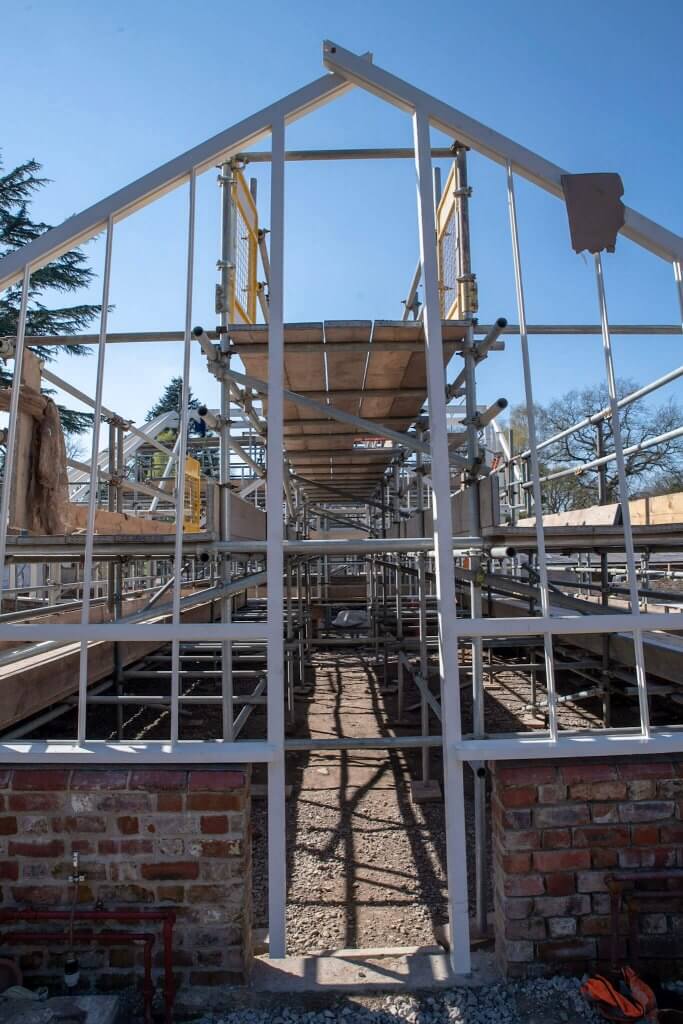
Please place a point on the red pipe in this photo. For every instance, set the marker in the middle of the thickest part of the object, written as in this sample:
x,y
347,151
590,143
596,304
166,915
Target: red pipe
x,y
166,917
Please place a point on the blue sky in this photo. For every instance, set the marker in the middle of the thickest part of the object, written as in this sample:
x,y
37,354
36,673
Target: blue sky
x,y
100,94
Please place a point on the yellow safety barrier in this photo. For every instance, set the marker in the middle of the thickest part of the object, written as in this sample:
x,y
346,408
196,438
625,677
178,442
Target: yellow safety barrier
x,y
455,294
192,503
242,297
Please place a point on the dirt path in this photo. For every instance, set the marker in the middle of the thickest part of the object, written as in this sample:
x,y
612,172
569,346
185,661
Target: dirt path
x,y
366,866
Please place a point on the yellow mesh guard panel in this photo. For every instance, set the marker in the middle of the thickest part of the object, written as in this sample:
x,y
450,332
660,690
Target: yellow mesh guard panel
x,y
447,249
192,500
242,299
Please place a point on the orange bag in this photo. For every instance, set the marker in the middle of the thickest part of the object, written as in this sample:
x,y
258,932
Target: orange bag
x,y
634,1000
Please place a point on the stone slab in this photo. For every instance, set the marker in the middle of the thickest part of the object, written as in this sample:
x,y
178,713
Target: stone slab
x,y
425,792
363,973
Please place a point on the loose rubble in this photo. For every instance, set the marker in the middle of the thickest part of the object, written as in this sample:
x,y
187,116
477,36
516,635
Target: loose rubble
x,y
554,1001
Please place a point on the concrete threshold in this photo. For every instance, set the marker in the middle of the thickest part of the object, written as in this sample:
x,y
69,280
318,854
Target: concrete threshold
x,y
369,970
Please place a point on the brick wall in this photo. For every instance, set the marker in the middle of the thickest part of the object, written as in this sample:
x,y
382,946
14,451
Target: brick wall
x,y
558,829
147,839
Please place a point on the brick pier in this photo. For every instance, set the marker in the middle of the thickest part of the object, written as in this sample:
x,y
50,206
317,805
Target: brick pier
x,y
558,829
146,838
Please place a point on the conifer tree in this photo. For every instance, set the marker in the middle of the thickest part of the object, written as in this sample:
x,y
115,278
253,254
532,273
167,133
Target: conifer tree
x,y
171,399
68,273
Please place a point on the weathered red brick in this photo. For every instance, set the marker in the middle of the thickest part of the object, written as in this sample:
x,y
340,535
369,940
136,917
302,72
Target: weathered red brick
x,y
606,791
629,858
668,788
662,858
8,826
555,838
516,863
84,846
561,927
171,802
638,769
114,803
561,860
643,789
131,847
519,796
554,793
35,801
214,802
563,884
171,893
591,881
212,978
93,778
40,778
517,774
170,870
646,810
581,771
122,957
516,819
528,928
530,840
567,949
574,905
604,814
596,925
38,848
211,894
515,909
128,825
599,835
42,894
210,957
80,823
671,833
146,778
647,835
215,824
557,817
603,857
9,870
524,885
217,780
220,848
126,894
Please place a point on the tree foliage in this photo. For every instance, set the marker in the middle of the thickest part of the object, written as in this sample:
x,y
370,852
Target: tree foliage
x,y
653,470
171,399
68,273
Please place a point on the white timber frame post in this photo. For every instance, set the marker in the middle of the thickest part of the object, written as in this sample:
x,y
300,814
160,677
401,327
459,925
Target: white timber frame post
x,y
277,871
92,494
456,852
533,458
612,390
181,459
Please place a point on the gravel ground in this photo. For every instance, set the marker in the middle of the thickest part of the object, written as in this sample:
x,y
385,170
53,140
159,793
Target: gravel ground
x,y
556,1001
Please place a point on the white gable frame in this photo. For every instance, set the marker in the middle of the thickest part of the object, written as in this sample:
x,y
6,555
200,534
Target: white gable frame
x,y
347,70
645,232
